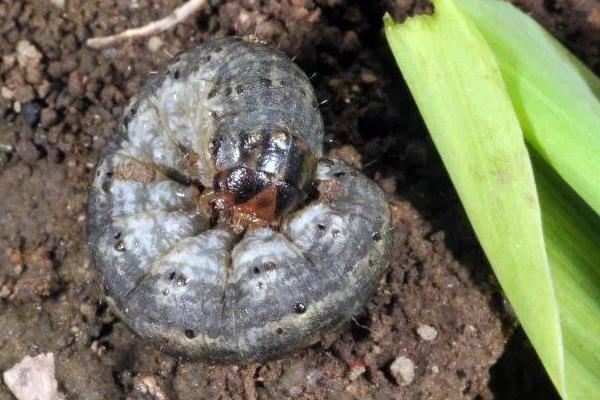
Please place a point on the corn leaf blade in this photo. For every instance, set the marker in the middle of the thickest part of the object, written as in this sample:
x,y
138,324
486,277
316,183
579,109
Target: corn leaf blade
x,y
456,82
572,234
556,97
557,101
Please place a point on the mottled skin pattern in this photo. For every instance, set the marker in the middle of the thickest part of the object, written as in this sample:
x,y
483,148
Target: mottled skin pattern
x,y
200,290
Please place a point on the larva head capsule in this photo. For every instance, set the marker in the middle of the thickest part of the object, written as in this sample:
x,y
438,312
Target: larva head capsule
x,y
273,172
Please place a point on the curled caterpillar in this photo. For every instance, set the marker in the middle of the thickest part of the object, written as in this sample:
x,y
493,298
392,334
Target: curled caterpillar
x,y
218,227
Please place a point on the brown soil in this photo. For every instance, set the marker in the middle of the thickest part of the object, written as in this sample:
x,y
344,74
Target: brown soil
x,y
58,105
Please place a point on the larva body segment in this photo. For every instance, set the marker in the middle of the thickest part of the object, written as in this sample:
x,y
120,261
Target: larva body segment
x,y
197,286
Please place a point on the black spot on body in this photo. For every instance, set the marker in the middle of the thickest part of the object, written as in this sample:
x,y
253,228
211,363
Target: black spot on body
x,y
120,245
300,308
190,334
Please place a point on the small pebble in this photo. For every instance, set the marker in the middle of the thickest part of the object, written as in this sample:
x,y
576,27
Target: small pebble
x,y
33,379
368,77
427,332
5,291
403,370
8,61
6,93
27,54
147,387
154,44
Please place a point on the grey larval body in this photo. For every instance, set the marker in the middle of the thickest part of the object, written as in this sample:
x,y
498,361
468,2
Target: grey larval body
x,y
199,289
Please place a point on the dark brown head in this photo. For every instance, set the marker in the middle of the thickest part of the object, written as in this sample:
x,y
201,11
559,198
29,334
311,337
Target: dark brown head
x,y
271,175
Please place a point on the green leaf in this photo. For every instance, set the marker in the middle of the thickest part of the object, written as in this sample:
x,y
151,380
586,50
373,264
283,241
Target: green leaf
x,y
572,233
556,97
457,84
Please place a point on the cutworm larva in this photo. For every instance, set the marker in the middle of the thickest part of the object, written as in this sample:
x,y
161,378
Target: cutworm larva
x,y
218,227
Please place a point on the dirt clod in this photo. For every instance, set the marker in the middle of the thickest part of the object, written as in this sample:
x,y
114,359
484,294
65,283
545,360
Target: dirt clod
x,y
403,370
27,54
33,379
427,332
147,388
